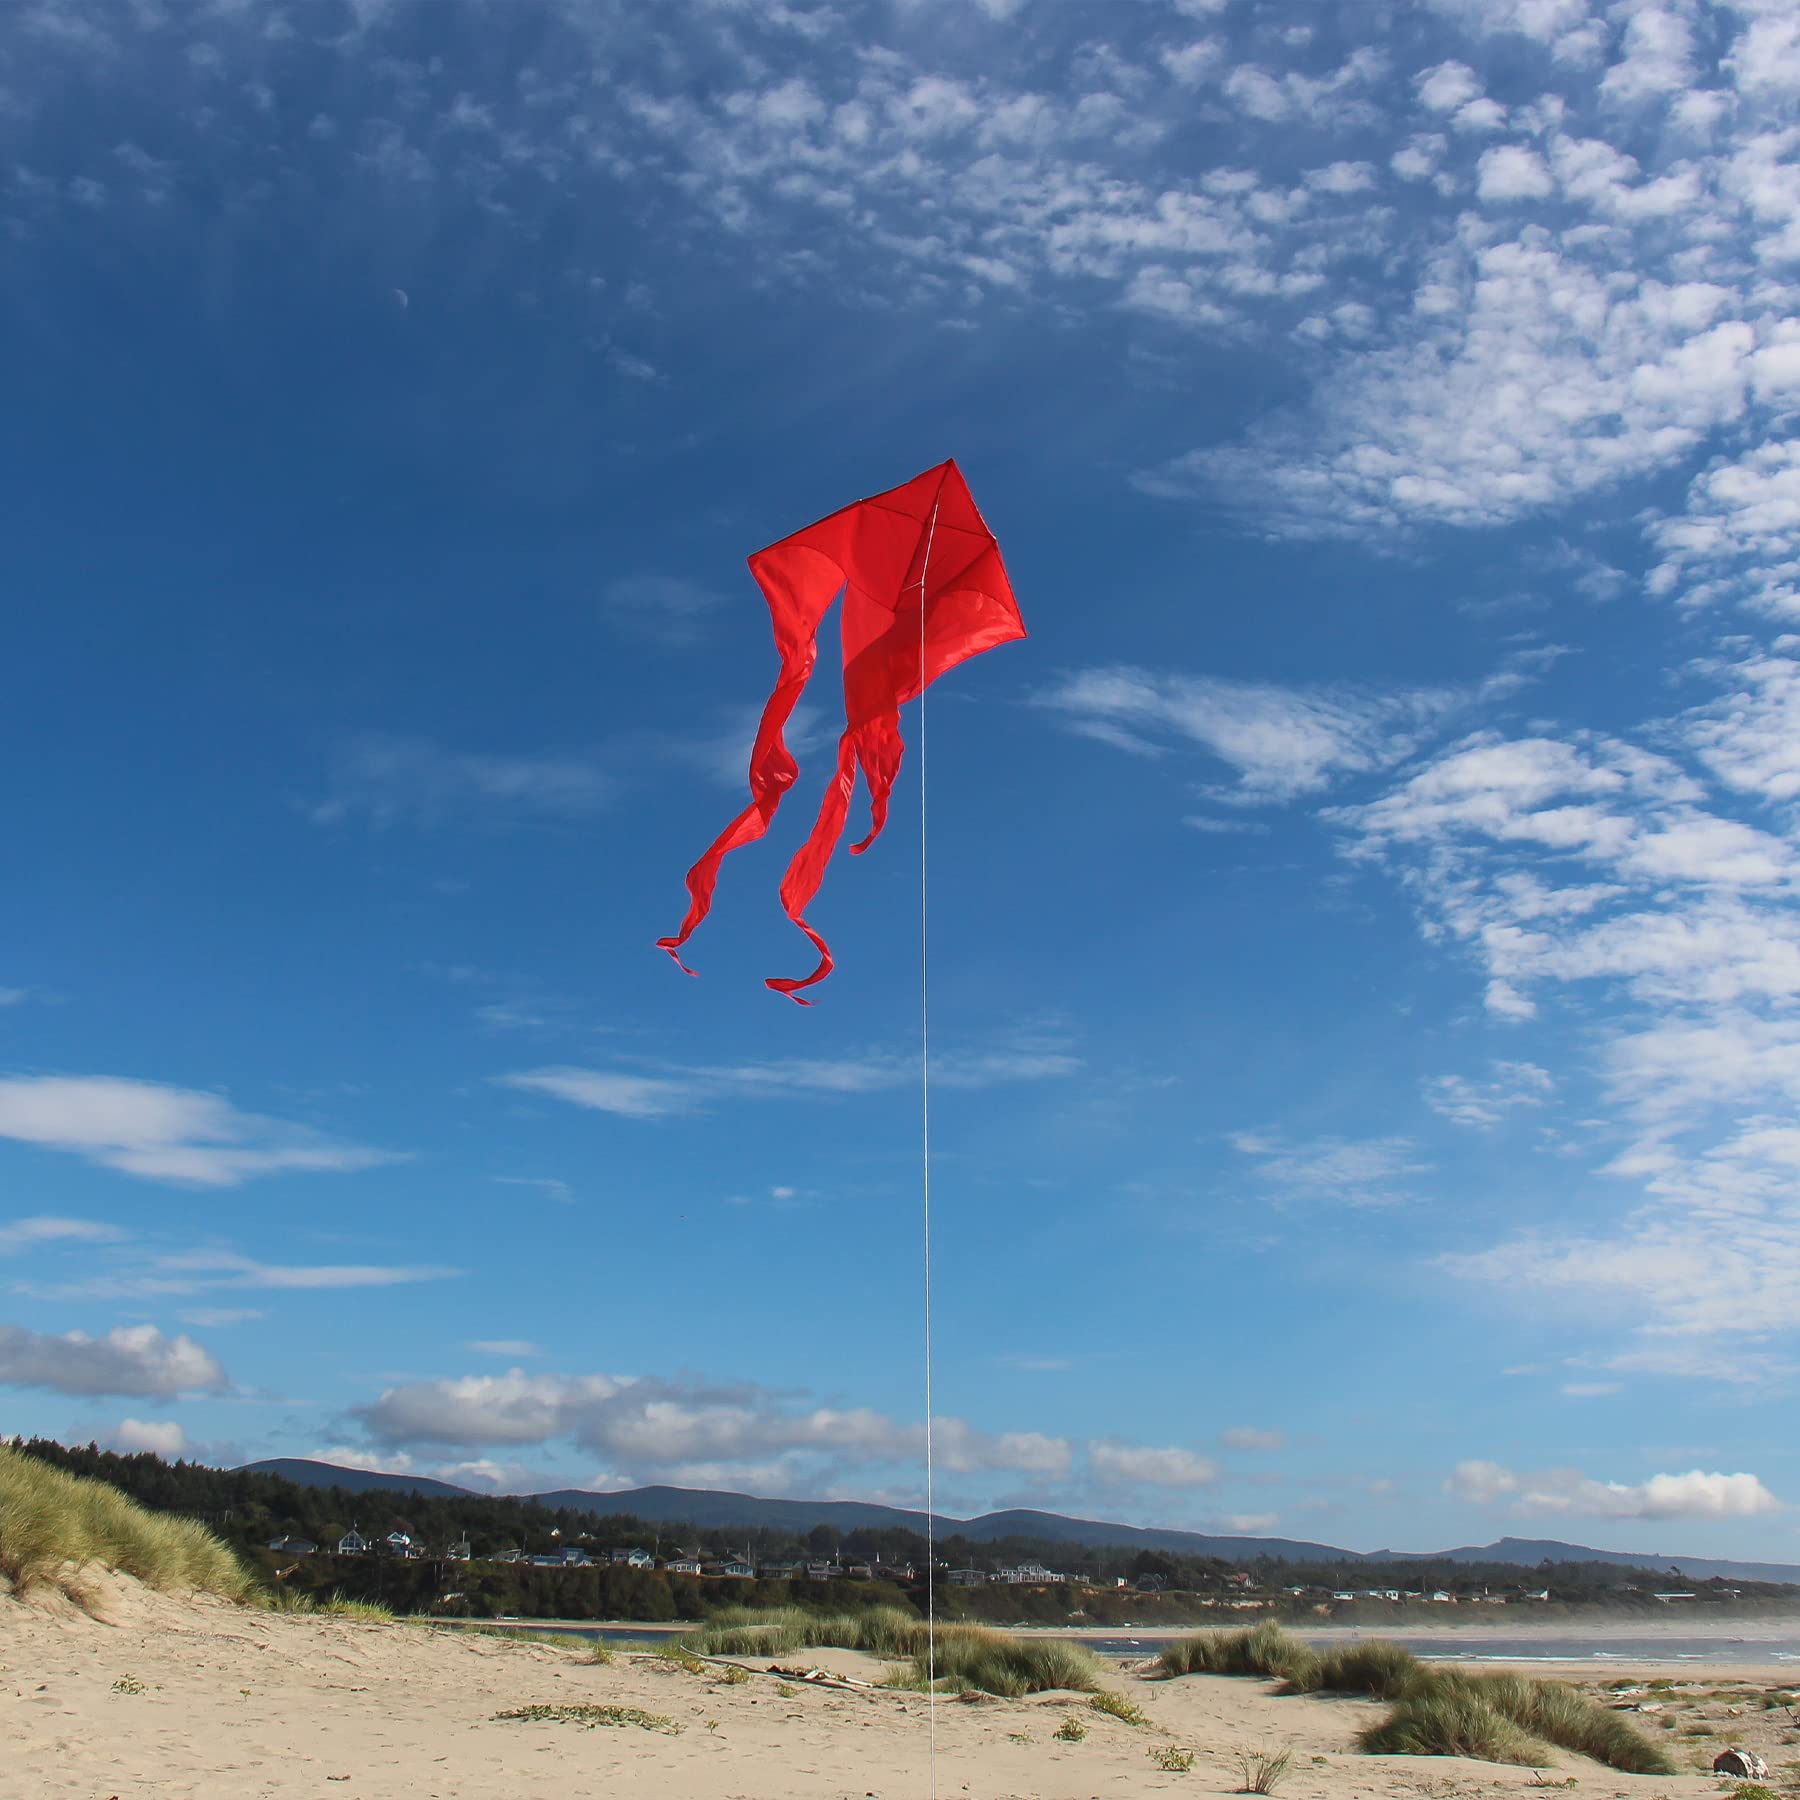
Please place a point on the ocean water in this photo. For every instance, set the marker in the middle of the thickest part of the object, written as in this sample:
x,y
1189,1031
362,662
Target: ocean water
x,y
1776,1646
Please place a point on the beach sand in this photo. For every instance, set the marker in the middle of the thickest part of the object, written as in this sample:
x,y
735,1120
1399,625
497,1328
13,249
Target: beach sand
x,y
168,1697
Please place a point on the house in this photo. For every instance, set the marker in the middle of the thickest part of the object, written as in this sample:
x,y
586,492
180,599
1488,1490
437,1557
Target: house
x,y
576,1559
968,1577
737,1568
861,1571
683,1565
292,1546
1440,1598
459,1551
1028,1574
352,1543
546,1562
633,1559
784,1571
400,1543
511,1554
822,1571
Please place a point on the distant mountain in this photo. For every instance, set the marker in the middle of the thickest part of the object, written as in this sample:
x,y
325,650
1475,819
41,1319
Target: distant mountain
x,y
1532,1551
304,1473
718,1510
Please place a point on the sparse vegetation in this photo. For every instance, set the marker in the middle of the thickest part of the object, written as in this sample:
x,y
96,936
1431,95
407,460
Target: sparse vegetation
x,y
341,1606
1119,1706
129,1684
1070,1731
675,1650
1172,1758
591,1716
1260,1771
733,1676
53,1524
968,1656
599,1651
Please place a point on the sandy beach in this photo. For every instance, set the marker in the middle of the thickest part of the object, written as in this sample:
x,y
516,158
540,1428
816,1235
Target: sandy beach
x,y
192,1697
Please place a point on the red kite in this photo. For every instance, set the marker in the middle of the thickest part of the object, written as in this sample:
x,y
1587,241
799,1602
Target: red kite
x,y
924,589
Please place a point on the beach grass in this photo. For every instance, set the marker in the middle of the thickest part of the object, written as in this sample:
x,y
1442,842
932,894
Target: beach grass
x,y
1261,1650
968,1656
1437,1712
1445,1720
52,1524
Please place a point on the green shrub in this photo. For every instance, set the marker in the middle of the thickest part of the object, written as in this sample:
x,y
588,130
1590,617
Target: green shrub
x,y
1118,1706
971,1656
1561,1715
1070,1731
1172,1758
52,1524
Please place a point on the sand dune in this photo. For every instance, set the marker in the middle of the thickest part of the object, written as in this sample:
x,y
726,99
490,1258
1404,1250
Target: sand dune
x,y
178,1697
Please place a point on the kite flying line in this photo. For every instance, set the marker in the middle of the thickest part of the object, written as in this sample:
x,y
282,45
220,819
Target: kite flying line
x,y
868,551
931,1693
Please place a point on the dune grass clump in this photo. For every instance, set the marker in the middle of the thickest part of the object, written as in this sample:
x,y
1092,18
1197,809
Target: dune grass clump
x,y
883,1631
1444,1711
993,1663
1382,1671
1262,1650
52,1523
1450,1721
1564,1716
1261,1771
370,1612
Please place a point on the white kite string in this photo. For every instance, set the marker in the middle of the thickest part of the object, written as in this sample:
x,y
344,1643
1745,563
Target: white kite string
x,y
931,1697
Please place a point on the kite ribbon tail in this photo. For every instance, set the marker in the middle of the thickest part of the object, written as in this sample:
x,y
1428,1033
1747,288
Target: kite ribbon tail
x,y
807,870
772,773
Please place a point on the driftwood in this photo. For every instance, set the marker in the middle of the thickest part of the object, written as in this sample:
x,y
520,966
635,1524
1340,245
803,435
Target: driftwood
x,y
821,1678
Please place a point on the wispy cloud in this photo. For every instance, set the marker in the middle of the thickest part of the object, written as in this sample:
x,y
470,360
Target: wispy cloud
x,y
141,1277
667,610
167,1134
1361,1172
27,1234
1026,1056
1278,742
389,780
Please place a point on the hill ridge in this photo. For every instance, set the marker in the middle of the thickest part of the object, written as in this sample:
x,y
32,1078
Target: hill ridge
x,y
717,1509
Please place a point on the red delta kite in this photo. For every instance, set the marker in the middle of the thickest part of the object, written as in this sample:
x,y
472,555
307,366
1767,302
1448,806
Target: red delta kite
x,y
924,589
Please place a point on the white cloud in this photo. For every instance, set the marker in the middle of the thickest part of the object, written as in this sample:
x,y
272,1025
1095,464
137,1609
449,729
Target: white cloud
x,y
657,1427
1135,1463
133,1359
1695,1495
160,1437
1447,86
504,1347
1249,1524
1511,172
390,779
166,1134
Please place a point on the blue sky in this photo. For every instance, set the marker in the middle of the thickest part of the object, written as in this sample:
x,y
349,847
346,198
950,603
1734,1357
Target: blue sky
x,y
1365,959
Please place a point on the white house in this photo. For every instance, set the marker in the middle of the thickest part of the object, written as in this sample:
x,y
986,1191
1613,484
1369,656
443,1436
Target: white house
x,y
634,1559
352,1543
683,1565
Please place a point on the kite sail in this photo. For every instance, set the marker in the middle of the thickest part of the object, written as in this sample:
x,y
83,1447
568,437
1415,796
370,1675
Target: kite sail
x,y
924,589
